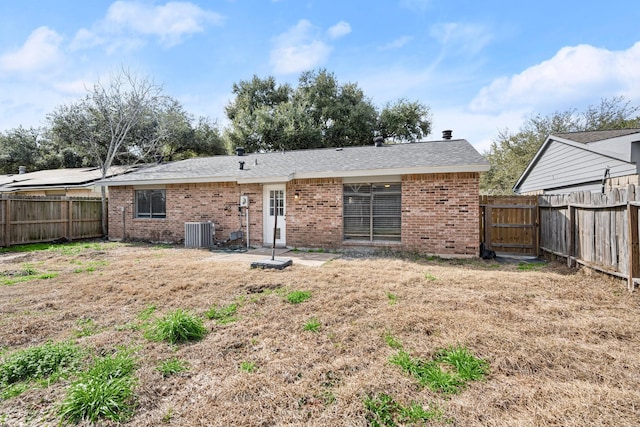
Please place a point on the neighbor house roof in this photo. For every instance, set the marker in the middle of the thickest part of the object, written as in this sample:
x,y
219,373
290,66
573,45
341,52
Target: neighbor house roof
x,y
386,160
55,178
596,135
579,160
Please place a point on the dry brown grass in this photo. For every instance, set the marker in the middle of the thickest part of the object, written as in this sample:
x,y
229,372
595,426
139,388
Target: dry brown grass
x,y
562,345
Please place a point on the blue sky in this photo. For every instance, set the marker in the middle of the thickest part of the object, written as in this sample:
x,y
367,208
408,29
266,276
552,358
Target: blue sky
x,y
482,66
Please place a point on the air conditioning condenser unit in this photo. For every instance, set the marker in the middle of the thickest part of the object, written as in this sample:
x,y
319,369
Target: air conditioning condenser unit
x,y
198,234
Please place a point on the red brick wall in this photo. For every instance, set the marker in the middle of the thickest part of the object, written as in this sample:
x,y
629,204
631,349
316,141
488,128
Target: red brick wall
x,y
216,202
440,213
314,219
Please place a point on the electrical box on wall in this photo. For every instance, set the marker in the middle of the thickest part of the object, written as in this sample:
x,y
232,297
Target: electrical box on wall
x,y
244,201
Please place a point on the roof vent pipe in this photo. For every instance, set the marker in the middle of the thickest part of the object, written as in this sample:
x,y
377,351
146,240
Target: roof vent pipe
x,y
240,151
241,166
446,134
378,141
22,170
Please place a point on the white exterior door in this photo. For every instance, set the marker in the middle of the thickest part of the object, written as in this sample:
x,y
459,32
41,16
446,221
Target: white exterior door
x,y
275,214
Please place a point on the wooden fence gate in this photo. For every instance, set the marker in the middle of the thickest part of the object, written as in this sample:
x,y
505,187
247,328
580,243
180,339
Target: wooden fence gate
x,y
509,224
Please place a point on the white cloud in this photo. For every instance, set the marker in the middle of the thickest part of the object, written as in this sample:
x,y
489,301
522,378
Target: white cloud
x,y
461,38
574,74
340,29
40,50
396,44
128,23
300,48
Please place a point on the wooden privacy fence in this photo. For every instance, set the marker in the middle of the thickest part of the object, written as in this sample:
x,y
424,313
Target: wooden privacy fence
x,y
599,231
508,224
44,219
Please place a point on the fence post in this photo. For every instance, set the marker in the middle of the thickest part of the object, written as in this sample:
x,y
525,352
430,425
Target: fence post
x,y
487,226
69,235
571,235
7,222
634,247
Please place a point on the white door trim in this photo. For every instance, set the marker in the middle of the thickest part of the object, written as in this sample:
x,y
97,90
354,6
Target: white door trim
x,y
268,218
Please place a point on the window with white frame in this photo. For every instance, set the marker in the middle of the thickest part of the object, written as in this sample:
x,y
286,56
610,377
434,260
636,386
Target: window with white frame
x,y
372,212
151,204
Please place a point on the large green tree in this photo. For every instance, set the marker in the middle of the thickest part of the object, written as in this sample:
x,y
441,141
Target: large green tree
x,y
405,121
319,112
19,147
252,111
511,152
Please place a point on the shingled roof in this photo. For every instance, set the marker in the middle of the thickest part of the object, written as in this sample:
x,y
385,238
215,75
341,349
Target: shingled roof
x,y
420,157
596,135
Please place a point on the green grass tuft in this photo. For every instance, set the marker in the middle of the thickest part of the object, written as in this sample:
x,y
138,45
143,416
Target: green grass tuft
x,y
224,314
297,297
147,312
86,327
393,298
38,362
468,367
172,366
177,327
448,373
430,277
312,325
105,391
248,367
383,410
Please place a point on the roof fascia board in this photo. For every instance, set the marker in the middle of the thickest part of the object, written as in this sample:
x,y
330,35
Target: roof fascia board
x,y
264,180
164,181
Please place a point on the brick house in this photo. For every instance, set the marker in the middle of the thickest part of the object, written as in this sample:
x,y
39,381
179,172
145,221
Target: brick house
x,y
419,197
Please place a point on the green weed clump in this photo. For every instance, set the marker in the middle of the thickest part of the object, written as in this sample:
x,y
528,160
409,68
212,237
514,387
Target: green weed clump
x,y
27,273
86,327
383,410
430,276
224,314
248,367
297,297
172,366
105,391
38,362
176,327
393,298
448,372
312,325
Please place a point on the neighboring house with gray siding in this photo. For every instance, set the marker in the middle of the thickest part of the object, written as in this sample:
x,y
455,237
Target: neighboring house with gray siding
x,y
583,161
419,197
